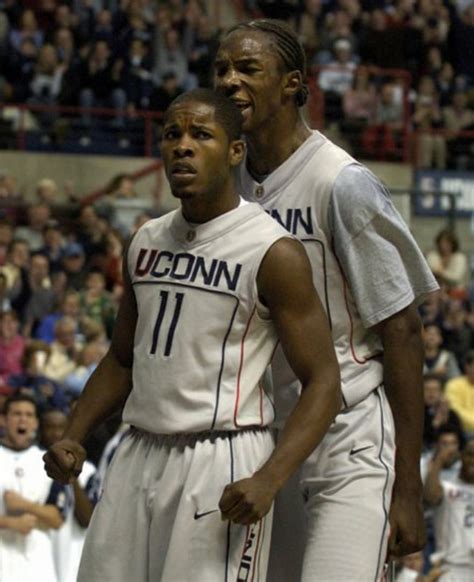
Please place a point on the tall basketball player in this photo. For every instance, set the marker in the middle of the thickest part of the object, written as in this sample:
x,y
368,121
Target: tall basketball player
x,y
371,275
209,294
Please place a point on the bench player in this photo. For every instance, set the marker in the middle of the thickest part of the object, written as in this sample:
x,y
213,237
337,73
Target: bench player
x,y
370,275
208,295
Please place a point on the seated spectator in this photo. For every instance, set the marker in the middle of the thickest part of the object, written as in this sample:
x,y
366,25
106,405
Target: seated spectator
x,y
73,265
458,331
448,263
381,140
137,75
438,361
40,295
449,440
170,56
164,93
202,50
306,25
20,70
46,84
14,269
460,394
459,117
100,82
53,245
62,360
336,78
450,500
437,411
5,304
38,216
70,306
445,82
427,118
28,29
47,191
46,392
12,346
96,302
358,104
89,359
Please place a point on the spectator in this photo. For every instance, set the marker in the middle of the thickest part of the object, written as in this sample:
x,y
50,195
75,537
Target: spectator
x,y
427,119
12,346
89,359
30,502
358,104
459,117
73,264
53,245
307,24
62,360
449,441
438,361
40,295
100,78
453,505
28,30
137,75
448,263
21,68
458,332
96,302
337,78
381,140
6,238
46,392
38,216
460,394
69,307
163,94
202,51
171,57
437,411
15,266
5,304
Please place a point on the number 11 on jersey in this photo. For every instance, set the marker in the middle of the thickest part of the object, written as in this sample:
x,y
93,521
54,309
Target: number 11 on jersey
x,y
164,296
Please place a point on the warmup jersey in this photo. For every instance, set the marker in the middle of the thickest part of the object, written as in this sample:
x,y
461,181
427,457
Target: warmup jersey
x,y
28,558
297,194
203,340
454,523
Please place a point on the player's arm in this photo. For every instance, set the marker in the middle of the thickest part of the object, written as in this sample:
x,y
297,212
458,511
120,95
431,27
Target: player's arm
x,y
403,380
105,392
48,515
433,490
304,333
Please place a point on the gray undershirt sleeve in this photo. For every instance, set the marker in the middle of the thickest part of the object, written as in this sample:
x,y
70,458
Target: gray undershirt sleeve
x,y
381,261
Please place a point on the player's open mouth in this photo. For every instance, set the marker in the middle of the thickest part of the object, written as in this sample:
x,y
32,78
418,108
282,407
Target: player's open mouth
x,y
182,169
21,430
242,105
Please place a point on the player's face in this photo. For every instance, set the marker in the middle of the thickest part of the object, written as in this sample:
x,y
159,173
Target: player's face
x,y
248,70
53,427
21,424
467,469
196,151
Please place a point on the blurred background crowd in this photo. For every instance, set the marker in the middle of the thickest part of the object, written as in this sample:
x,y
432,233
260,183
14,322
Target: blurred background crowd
x,y
61,263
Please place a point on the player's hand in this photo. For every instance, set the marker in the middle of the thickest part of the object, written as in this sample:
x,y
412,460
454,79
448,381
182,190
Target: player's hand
x,y
14,502
25,523
248,500
407,528
63,461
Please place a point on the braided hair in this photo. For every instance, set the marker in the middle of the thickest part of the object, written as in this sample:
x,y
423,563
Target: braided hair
x,y
287,45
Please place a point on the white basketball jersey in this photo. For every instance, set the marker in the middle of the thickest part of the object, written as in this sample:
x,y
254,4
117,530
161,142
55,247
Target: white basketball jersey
x,y
28,558
202,339
297,195
454,523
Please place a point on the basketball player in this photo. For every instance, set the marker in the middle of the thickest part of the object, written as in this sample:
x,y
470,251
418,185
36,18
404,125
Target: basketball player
x,y
453,515
30,504
370,275
208,295
68,540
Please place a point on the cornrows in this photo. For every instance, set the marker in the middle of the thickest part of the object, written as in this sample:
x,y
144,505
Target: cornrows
x,y
287,45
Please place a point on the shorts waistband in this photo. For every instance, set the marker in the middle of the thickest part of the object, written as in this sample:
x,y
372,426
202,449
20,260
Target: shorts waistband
x,y
189,439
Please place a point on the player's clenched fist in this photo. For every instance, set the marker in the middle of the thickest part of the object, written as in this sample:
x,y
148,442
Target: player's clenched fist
x,y
63,461
248,500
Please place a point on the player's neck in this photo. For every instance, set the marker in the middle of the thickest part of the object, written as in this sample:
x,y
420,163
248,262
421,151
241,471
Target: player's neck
x,y
270,147
202,210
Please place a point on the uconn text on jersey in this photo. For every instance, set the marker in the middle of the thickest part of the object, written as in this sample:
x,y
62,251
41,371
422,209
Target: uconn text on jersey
x,y
187,267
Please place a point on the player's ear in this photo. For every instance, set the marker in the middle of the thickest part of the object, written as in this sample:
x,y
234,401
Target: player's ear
x,y
292,83
236,152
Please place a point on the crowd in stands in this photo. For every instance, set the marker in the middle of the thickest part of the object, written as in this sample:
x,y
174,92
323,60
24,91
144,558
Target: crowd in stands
x,y
137,55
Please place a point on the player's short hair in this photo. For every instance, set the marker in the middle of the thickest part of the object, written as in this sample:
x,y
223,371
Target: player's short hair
x,y
226,113
287,45
19,397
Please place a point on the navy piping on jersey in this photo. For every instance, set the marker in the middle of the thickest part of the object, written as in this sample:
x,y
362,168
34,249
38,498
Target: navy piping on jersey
x,y
382,425
227,552
231,323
